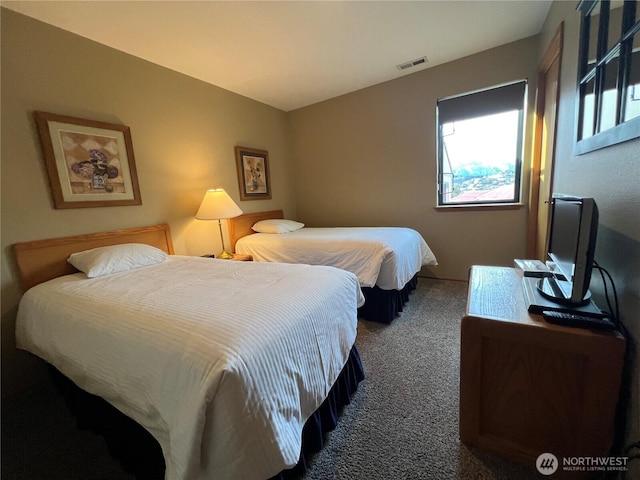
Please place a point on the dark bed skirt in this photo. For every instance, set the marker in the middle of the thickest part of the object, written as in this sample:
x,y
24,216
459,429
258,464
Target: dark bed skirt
x,y
383,305
140,454
326,417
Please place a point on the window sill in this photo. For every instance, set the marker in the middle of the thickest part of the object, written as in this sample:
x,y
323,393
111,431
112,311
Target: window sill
x,y
480,207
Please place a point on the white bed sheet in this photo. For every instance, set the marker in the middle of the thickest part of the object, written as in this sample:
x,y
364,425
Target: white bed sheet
x,y
222,362
387,257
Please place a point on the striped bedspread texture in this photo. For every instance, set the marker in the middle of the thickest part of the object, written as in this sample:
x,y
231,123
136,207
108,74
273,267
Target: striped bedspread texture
x,y
222,362
387,257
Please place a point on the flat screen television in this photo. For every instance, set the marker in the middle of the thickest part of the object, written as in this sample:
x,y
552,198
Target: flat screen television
x,y
572,243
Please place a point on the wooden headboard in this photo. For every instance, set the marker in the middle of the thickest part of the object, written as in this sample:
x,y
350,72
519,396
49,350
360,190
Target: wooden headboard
x,y
43,260
241,226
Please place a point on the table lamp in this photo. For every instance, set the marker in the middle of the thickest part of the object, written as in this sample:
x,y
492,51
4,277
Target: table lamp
x,y
218,205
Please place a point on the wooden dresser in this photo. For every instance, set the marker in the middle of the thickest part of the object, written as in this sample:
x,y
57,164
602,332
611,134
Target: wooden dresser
x,y
528,387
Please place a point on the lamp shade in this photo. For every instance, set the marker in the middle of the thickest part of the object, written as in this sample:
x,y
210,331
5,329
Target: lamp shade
x,y
217,204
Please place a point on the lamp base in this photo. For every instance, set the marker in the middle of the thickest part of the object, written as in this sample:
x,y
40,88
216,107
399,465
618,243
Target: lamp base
x,y
225,255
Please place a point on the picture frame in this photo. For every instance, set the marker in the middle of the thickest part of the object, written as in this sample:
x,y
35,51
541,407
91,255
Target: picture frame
x,y
254,178
89,163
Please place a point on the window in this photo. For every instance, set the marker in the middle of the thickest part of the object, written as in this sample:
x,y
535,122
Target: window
x,y
608,74
480,146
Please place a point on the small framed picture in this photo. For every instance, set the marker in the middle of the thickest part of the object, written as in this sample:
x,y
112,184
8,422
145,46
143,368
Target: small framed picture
x,y
254,179
89,163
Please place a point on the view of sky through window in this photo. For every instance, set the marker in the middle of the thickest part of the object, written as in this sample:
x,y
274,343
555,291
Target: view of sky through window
x,y
480,156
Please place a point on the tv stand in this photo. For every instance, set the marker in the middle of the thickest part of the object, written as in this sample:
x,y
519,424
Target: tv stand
x,y
528,386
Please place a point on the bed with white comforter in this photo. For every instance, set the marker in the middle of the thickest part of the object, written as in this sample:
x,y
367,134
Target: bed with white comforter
x,y
222,362
386,257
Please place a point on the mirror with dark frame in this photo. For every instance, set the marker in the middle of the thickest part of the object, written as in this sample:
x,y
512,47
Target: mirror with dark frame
x,y
608,104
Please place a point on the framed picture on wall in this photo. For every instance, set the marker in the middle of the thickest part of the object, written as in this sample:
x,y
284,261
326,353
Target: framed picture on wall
x,y
254,179
89,163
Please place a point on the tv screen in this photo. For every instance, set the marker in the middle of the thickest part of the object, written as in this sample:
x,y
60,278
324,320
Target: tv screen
x,y
572,242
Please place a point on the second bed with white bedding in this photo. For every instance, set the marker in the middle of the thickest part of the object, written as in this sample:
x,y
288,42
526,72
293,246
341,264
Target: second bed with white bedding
x,y
386,257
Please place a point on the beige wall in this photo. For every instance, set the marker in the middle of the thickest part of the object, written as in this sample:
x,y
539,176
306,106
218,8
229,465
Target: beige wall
x,y
369,158
184,132
611,176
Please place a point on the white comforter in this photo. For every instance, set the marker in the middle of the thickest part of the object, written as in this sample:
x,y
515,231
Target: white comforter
x,y
223,362
384,256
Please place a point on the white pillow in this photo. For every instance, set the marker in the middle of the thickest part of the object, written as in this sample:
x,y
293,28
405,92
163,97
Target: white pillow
x,y
277,225
116,258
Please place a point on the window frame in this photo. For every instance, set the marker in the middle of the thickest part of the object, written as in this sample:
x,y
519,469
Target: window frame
x,y
622,49
519,160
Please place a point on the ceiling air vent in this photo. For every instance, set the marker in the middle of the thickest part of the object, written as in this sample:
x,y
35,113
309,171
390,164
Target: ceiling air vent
x,y
412,63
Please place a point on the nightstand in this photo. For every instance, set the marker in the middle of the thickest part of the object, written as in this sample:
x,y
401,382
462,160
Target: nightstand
x,y
241,257
237,257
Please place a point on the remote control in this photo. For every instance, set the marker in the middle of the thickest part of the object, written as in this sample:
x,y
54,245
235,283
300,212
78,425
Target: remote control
x,y
576,320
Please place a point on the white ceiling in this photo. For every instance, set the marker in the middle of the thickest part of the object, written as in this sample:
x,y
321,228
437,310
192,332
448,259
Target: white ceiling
x,y
292,54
